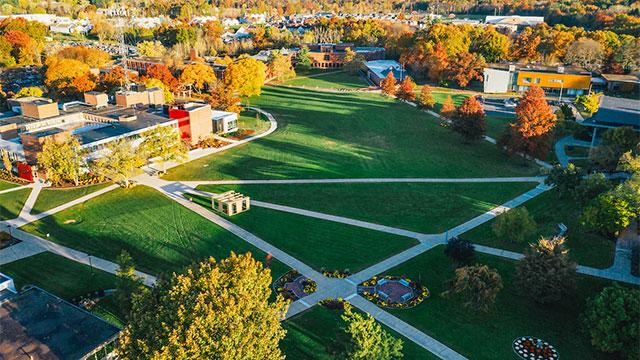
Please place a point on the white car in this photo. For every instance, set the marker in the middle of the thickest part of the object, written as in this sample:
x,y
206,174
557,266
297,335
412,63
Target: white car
x,y
510,103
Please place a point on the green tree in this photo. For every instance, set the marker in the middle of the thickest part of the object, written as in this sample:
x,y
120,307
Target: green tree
x,y
546,274
128,284
163,143
612,320
214,310
461,251
120,162
369,341
615,142
62,160
515,225
304,61
565,179
478,285
608,214
590,187
590,102
29,91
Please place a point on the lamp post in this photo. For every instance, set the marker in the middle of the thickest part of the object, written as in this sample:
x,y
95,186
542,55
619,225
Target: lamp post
x,y
561,82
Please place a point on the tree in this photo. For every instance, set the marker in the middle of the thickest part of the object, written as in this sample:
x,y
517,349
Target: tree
x,y
590,102
565,179
213,310
468,120
529,134
162,73
515,225
6,162
303,58
279,67
353,61
369,341
166,92
525,46
62,160
437,63
461,251
115,79
247,76
628,55
490,44
222,97
546,274
448,110
389,84
406,89
611,320
29,91
478,285
151,48
163,143
608,214
466,67
587,53
426,99
592,186
615,142
128,284
81,84
120,162
94,58
61,73
197,75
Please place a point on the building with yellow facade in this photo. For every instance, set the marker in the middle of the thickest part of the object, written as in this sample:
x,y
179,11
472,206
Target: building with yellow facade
x,y
557,80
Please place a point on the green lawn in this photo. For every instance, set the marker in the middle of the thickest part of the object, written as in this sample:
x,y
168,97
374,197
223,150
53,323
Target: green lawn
x,y
318,334
63,277
326,135
495,124
4,185
332,80
549,210
423,207
160,234
319,243
51,198
248,121
441,96
11,203
489,336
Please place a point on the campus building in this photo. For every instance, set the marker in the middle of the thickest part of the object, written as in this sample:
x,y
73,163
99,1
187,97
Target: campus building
x,y
38,325
559,80
327,56
377,70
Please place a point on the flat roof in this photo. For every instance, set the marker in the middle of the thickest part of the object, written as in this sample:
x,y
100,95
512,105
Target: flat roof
x,y
47,327
568,69
382,68
621,78
616,112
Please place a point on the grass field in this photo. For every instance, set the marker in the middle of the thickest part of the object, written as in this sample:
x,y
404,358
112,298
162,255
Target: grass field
x,y
248,121
427,208
160,234
318,334
11,203
489,336
549,210
4,185
51,198
495,124
350,135
319,243
330,80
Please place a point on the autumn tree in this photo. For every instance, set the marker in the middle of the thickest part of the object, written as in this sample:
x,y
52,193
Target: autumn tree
x,y
437,63
406,89
448,109
66,76
389,84
515,225
247,76
587,53
62,160
166,92
213,310
525,46
465,68
546,274
628,55
81,84
114,80
128,284
120,162
222,97
29,91
589,102
468,120
6,162
94,58
163,143
529,134
279,67
426,100
151,48
369,341
353,61
198,75
162,73
478,285
611,320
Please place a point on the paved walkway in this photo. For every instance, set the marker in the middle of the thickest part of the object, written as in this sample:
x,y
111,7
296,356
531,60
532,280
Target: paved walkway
x,y
561,153
538,179
16,188
19,251
31,200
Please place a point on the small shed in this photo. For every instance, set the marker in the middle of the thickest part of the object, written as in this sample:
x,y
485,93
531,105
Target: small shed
x,y
224,121
230,203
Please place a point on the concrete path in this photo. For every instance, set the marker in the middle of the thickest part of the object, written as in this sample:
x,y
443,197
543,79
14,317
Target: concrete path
x,y
31,200
19,251
16,188
538,179
560,149
432,345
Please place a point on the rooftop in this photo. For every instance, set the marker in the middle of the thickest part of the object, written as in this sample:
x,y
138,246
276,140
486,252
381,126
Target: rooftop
x,y
568,69
382,68
47,327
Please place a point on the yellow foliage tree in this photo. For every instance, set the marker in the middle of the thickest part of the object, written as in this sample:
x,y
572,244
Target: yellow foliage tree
x,y
246,76
197,75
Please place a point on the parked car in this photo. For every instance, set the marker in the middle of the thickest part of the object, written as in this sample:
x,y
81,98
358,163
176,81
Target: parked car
x,y
510,102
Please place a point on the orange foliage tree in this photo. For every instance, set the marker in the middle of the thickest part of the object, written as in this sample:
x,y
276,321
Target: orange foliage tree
x,y
468,120
95,58
437,63
405,91
82,84
114,79
162,73
389,84
426,99
466,67
448,109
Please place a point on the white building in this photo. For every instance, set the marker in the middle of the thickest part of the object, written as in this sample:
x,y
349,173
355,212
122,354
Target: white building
x,y
513,23
224,121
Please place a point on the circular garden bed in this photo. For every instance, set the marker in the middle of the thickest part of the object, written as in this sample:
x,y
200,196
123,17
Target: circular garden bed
x,y
531,348
393,292
293,285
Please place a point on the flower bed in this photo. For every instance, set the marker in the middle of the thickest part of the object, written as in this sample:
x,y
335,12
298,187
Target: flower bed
x,y
337,274
531,348
5,175
393,292
293,285
332,303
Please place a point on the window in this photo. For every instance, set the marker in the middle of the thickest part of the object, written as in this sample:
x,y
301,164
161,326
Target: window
x,y
327,57
537,81
526,80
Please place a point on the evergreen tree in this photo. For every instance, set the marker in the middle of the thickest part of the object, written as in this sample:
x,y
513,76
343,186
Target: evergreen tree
x,y
461,251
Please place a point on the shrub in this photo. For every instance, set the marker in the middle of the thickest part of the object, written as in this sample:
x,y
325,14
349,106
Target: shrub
x,y
514,225
478,285
461,251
